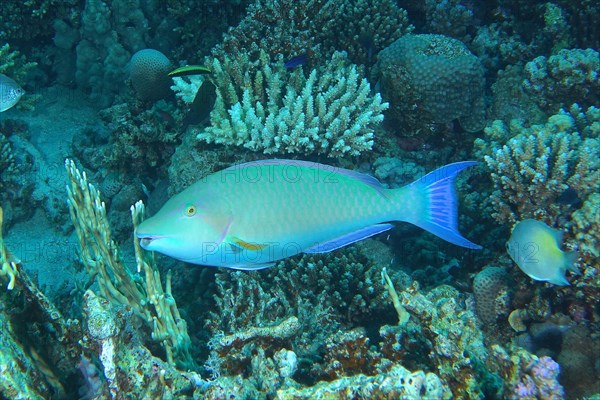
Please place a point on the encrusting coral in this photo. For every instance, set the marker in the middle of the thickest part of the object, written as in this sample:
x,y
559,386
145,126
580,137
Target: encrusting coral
x,y
331,112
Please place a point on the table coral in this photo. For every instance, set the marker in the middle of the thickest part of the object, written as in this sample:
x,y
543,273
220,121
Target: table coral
x,y
431,79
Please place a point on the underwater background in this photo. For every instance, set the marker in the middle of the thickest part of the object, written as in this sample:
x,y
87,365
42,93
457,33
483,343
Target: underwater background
x,y
105,103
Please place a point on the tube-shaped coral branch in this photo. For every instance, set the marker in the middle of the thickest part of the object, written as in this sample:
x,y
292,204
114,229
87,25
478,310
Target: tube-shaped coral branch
x,y
101,258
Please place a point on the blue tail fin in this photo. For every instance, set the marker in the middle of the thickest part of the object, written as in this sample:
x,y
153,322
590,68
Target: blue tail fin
x,y
437,207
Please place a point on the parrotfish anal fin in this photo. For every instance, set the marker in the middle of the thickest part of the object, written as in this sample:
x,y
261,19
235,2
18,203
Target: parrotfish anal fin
x,y
251,267
348,238
240,244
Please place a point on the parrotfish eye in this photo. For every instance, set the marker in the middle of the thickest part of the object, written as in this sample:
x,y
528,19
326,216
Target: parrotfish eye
x,y
190,210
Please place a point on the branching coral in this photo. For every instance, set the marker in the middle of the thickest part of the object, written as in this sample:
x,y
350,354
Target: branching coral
x,y
360,27
302,288
101,257
9,264
571,76
14,65
532,166
331,112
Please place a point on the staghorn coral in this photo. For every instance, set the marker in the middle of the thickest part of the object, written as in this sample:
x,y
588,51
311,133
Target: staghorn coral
x,y
331,112
571,76
492,293
532,166
431,80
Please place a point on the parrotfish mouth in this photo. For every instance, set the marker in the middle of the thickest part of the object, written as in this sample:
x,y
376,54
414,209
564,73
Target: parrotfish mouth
x,y
146,240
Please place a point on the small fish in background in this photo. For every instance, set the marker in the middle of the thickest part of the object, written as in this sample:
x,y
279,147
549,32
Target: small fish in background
x,y
251,215
367,42
570,197
296,61
10,92
188,70
202,105
535,248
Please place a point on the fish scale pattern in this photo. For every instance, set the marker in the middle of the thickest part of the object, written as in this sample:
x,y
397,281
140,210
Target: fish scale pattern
x,y
431,79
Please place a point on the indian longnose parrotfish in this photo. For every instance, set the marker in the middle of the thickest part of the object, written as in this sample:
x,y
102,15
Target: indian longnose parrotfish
x,y
535,248
251,215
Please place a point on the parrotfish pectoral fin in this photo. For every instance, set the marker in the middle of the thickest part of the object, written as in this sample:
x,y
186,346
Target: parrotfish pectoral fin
x,y
348,238
440,212
242,244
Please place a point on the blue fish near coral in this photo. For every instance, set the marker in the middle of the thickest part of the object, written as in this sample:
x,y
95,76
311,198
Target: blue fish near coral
x,y
251,215
296,61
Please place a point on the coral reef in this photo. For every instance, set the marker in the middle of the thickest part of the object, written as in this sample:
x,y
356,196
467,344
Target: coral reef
x,y
362,28
148,69
316,27
139,141
100,255
532,166
528,376
449,17
571,76
491,288
429,80
15,66
331,112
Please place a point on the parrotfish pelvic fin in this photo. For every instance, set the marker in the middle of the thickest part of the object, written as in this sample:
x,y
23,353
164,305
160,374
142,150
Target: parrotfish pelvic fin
x,y
251,267
349,238
440,216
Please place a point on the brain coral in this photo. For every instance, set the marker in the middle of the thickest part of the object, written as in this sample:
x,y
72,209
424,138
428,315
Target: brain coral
x,y
490,288
148,73
431,79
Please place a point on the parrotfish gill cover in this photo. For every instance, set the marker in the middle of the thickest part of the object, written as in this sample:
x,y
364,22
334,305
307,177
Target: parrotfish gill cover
x,y
251,215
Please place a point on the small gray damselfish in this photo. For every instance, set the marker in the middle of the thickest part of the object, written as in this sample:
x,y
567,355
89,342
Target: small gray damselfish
x,y
10,92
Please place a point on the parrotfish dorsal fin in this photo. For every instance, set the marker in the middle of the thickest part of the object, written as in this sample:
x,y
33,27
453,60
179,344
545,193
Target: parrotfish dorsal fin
x,y
329,171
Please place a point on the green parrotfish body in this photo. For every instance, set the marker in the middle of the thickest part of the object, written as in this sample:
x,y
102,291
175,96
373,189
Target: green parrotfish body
x,y
250,215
